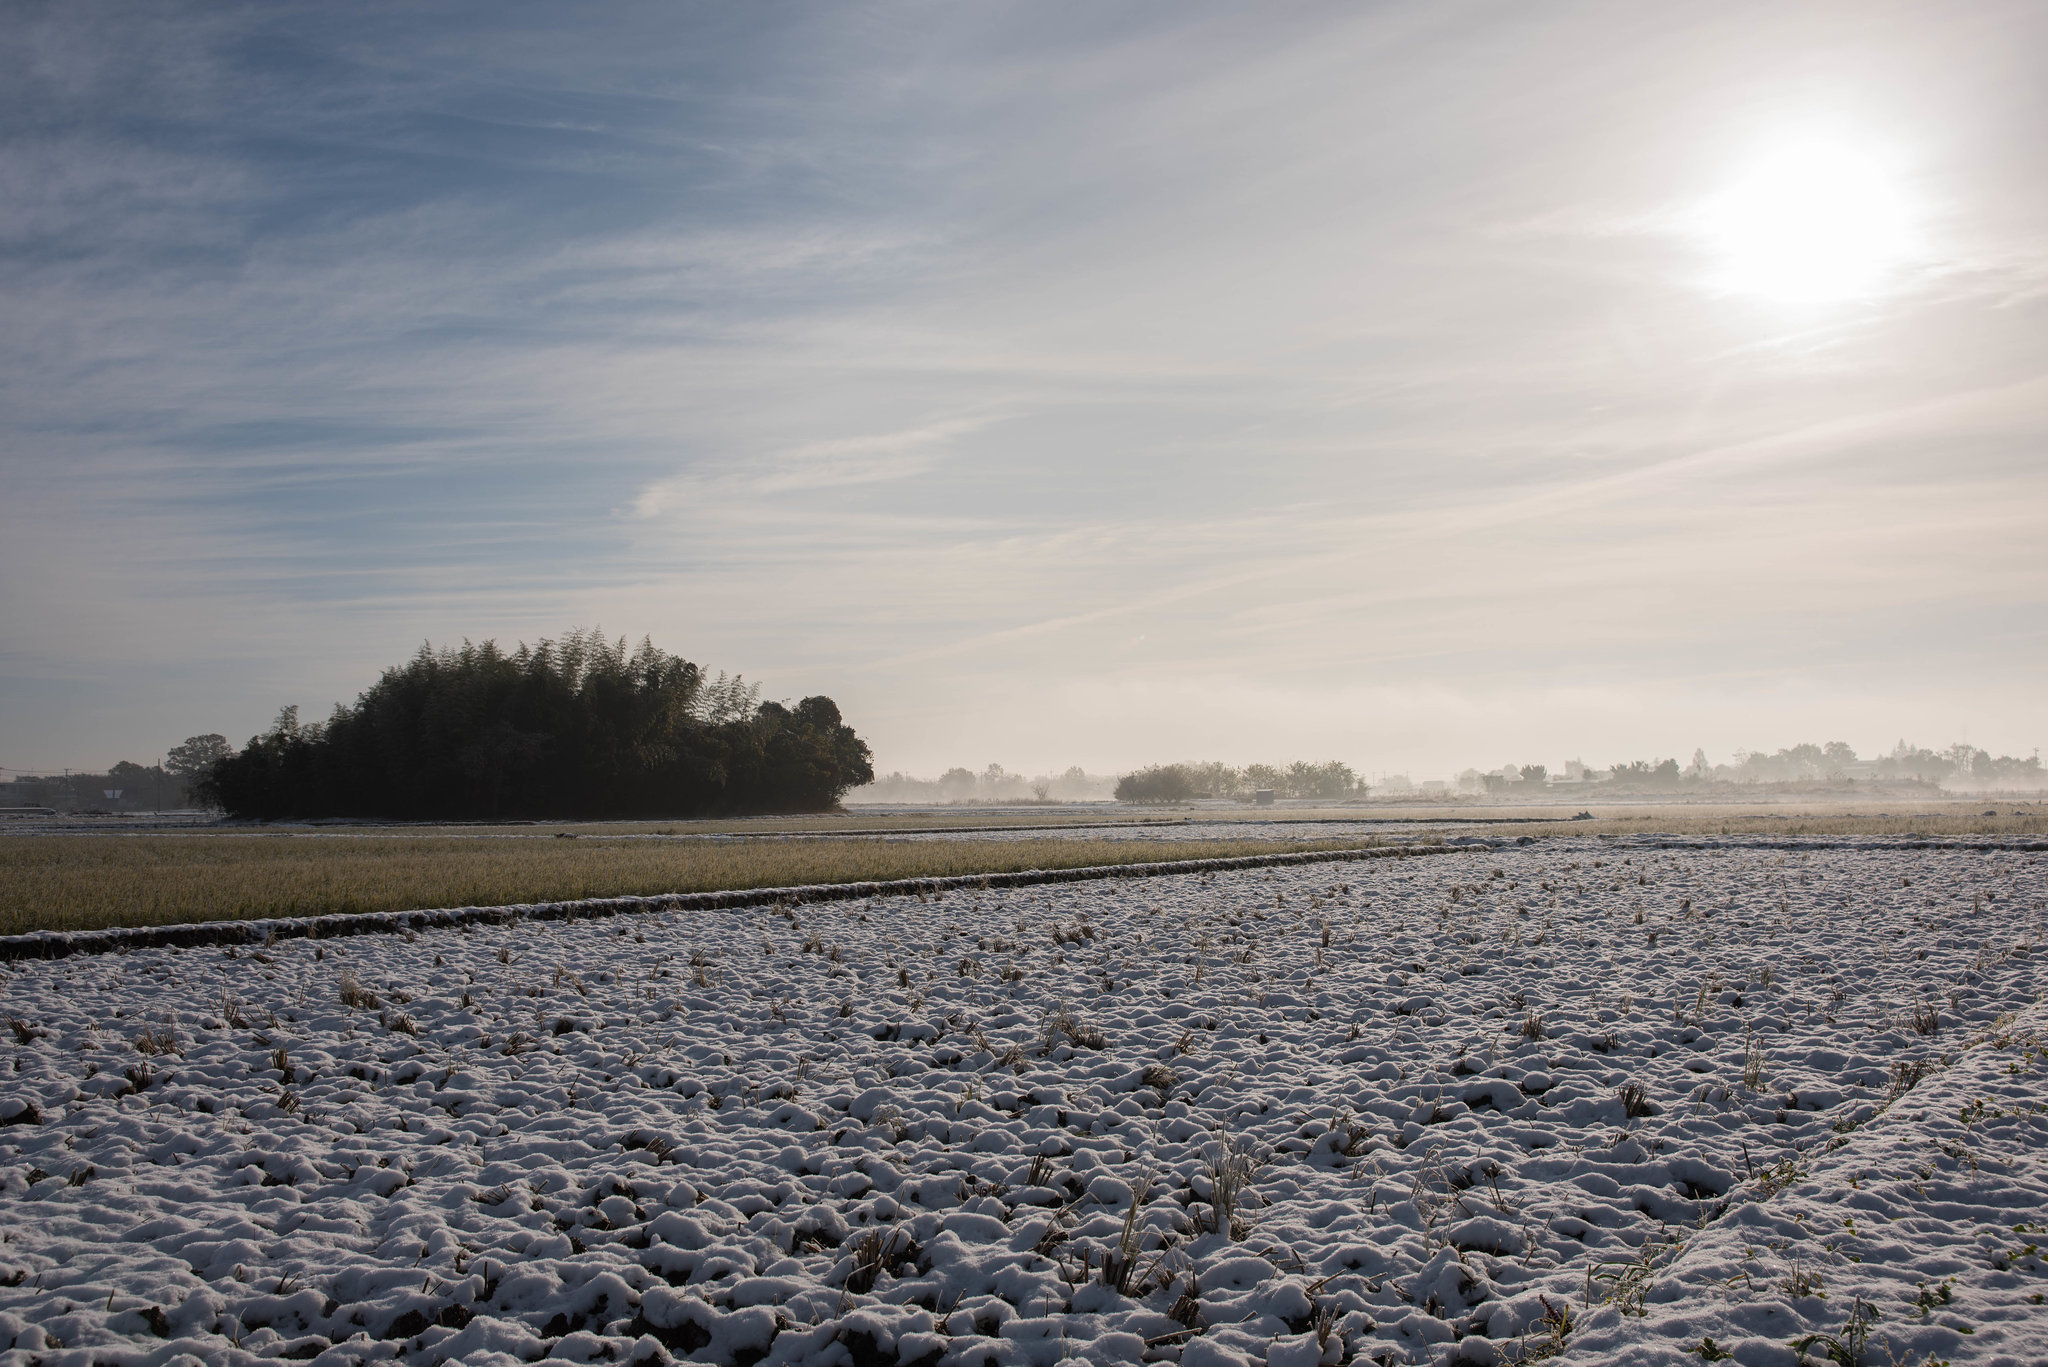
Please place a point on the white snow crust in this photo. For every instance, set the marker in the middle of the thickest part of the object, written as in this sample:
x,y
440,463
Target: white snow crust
x,y
910,1130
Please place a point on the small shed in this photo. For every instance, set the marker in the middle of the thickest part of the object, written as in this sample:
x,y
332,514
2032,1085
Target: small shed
x,y
1263,796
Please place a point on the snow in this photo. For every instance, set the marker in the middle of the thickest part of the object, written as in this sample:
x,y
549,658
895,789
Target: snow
x,y
910,1129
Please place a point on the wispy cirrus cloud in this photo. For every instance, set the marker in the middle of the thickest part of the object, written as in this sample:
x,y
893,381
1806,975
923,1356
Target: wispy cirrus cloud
x,y
829,464
1000,370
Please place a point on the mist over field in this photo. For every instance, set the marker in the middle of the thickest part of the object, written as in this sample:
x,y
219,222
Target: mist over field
x,y
1809,770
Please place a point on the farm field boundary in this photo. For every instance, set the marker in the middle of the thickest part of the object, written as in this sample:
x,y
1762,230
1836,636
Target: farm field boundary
x,y
1739,842
1161,824
56,944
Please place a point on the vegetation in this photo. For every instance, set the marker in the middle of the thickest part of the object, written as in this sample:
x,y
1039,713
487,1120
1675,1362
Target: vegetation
x,y
1960,765
126,788
1835,764
193,760
992,784
1180,782
1163,783
86,882
1681,823
579,727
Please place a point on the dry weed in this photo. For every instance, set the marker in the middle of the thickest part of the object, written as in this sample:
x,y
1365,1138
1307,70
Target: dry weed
x,y
70,883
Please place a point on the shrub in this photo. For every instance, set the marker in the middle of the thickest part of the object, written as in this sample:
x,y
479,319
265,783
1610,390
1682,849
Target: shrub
x,y
1159,783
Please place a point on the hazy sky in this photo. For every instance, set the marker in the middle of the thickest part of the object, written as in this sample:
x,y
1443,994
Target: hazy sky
x,y
1417,385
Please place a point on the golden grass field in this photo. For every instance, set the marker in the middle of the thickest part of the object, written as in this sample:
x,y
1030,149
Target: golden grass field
x,y
75,882
105,877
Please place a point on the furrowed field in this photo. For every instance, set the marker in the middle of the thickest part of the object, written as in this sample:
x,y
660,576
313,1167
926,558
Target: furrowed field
x,y
1605,1101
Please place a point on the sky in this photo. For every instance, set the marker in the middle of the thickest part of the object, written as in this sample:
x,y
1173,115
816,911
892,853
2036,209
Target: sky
x,y
1417,385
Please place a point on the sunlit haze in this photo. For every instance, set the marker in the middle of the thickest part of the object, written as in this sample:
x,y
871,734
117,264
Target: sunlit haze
x,y
1814,220
1417,386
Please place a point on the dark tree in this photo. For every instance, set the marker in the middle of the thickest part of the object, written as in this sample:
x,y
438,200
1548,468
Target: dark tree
x,y
1159,783
189,762
579,727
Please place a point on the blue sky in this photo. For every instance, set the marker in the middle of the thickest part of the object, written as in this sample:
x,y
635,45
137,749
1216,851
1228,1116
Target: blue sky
x,y
1049,384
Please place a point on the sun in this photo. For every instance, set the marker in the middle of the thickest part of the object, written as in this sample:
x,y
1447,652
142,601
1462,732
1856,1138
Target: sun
x,y
1814,219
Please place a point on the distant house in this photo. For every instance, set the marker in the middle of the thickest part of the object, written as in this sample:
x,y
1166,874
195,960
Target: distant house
x,y
1263,796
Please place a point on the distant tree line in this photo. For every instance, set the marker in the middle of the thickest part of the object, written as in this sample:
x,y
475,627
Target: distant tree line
x,y
993,784
1961,767
580,727
1180,782
127,787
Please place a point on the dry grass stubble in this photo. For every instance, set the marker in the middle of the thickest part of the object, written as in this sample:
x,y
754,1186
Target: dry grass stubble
x,y
87,882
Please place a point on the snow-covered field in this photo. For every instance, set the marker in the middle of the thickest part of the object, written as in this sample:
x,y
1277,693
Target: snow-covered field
x,y
1594,1096
1236,829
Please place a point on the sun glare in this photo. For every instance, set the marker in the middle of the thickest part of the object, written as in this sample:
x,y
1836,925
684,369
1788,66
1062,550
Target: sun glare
x,y
1814,220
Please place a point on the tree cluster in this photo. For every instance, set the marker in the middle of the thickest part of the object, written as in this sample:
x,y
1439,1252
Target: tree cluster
x,y
1961,767
1661,773
126,788
993,784
580,727
1180,782
1958,766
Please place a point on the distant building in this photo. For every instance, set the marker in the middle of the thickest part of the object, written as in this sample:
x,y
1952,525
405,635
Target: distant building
x,y
1263,796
